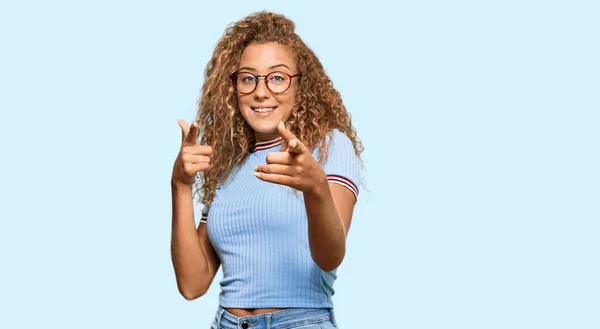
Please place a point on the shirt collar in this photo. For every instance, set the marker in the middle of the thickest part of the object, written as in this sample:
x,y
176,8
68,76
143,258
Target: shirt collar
x,y
267,145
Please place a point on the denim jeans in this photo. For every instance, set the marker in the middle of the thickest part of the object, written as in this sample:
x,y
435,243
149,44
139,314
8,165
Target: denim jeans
x,y
301,318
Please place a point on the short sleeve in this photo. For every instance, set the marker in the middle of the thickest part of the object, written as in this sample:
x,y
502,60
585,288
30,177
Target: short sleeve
x,y
204,214
200,210
342,166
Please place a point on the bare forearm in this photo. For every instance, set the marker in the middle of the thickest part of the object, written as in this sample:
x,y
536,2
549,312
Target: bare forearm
x,y
326,232
188,258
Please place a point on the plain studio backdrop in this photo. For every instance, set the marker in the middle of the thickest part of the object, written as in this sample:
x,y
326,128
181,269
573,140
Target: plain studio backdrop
x,y
481,128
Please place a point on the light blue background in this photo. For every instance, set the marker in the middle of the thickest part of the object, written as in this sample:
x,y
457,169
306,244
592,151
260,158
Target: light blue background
x,y
480,122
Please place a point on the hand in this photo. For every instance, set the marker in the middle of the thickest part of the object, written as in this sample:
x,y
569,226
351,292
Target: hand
x,y
192,157
294,167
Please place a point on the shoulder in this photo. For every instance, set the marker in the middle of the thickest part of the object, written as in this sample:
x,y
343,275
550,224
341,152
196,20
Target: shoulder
x,y
336,136
337,144
341,164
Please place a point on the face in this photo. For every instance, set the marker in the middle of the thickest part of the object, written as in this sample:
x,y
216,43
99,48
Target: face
x,y
262,108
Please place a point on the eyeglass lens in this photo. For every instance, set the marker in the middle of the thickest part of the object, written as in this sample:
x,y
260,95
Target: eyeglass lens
x,y
277,82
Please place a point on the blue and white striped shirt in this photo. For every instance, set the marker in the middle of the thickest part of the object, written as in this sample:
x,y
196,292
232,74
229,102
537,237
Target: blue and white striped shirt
x,y
260,233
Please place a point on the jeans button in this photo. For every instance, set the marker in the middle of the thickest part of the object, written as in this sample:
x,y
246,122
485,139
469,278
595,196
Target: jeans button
x,y
244,325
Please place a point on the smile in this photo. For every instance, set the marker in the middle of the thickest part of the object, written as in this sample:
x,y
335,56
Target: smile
x,y
263,109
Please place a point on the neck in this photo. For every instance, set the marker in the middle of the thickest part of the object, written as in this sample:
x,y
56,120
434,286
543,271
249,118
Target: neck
x,y
262,137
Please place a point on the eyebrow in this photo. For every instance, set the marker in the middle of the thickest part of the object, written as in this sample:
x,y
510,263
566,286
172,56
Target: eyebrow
x,y
272,67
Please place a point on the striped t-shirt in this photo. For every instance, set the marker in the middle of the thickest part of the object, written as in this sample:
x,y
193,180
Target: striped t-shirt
x,y
260,232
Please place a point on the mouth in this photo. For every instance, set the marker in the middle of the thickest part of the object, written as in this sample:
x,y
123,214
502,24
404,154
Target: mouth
x,y
263,109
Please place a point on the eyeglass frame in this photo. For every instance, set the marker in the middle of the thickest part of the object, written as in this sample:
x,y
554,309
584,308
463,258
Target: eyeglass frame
x,y
233,77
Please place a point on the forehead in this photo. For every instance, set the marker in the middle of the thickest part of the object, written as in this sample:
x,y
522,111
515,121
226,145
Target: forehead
x,y
262,56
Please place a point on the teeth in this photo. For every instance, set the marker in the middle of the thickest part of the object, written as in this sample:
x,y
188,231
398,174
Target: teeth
x,y
263,109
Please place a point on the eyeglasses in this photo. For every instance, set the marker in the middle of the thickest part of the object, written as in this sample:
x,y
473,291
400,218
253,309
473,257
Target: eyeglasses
x,y
276,82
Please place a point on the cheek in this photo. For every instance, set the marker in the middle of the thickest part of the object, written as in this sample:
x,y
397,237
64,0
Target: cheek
x,y
290,97
243,101
240,99
287,103
243,106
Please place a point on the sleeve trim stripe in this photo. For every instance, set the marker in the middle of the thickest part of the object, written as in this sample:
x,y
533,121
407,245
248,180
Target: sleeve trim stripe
x,y
343,181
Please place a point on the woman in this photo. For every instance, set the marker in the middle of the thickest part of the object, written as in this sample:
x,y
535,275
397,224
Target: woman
x,y
278,169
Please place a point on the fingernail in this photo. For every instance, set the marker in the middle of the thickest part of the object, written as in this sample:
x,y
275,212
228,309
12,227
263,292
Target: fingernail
x,y
256,174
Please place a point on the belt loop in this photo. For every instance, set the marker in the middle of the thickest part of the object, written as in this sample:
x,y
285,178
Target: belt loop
x,y
268,318
220,317
333,317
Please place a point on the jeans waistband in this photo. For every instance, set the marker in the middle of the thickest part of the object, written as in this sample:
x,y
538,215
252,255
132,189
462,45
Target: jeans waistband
x,y
281,319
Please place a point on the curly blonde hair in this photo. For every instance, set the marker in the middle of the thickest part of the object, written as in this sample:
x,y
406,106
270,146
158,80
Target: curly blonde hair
x,y
318,105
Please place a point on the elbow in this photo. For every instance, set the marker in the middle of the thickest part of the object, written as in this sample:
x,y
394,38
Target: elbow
x,y
328,265
328,261
192,286
191,294
328,268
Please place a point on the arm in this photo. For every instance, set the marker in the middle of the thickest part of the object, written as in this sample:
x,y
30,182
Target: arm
x,y
194,259
328,206
329,209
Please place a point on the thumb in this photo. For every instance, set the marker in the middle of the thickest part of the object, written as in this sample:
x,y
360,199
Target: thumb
x,y
293,143
284,132
185,129
189,135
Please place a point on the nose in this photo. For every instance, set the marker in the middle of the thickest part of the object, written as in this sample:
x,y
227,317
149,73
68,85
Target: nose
x,y
261,89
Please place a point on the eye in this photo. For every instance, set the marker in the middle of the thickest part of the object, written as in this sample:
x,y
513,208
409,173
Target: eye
x,y
277,78
246,78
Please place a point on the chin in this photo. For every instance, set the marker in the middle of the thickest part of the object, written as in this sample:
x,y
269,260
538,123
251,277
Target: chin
x,y
264,127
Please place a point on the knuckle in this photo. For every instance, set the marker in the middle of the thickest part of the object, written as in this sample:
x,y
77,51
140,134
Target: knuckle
x,y
202,149
269,158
